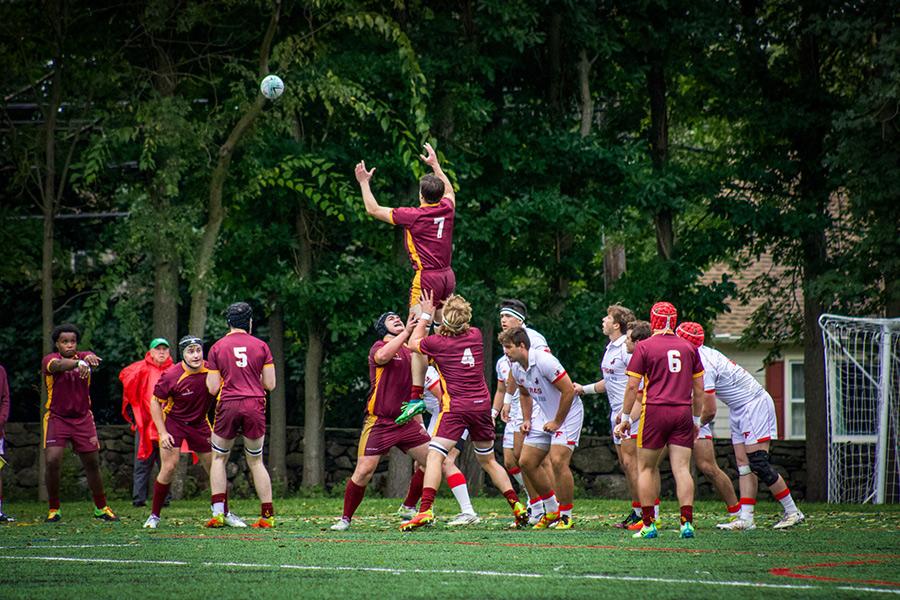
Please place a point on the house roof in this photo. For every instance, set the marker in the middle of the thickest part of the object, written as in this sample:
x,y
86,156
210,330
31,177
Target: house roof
x,y
731,325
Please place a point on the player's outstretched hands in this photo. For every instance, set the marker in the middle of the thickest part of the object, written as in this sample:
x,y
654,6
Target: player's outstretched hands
x,y
622,430
411,322
363,176
167,442
430,157
426,302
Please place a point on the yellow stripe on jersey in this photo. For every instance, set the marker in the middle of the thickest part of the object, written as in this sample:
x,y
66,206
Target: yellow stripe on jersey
x,y
368,423
370,407
44,428
413,253
186,374
415,290
633,374
445,395
640,436
700,374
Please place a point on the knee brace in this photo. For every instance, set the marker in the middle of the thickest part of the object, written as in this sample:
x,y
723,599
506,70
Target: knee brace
x,y
760,465
253,451
219,450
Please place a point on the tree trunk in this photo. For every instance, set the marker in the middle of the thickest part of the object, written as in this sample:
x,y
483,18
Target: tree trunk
x,y
278,425
202,279
554,41
314,416
49,205
613,264
165,298
587,101
659,150
399,472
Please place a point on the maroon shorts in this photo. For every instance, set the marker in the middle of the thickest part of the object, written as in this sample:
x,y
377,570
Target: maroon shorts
x,y
195,434
380,434
664,424
451,425
440,283
246,416
81,431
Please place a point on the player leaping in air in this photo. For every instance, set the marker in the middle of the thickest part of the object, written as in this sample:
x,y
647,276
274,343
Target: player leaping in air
x,y
428,235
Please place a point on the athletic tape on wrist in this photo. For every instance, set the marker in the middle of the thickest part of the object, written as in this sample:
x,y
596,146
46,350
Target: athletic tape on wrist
x,y
508,398
588,389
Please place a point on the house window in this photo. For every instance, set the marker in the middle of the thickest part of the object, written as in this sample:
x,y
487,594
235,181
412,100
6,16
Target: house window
x,y
794,406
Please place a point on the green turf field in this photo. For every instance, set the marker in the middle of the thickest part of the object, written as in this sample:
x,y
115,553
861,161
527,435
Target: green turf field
x,y
841,552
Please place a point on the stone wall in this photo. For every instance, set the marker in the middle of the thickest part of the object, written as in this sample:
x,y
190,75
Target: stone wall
x,y
594,464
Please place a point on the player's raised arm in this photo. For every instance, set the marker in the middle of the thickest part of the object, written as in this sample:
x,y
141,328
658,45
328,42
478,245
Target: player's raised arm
x,y
387,352
421,329
430,158
382,213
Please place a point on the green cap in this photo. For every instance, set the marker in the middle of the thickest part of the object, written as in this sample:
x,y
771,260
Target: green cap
x,y
159,342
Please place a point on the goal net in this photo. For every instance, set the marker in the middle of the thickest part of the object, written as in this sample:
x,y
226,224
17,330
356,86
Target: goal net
x,y
862,370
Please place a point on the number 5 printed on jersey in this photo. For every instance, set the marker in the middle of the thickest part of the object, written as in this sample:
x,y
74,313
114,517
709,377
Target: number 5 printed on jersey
x,y
240,353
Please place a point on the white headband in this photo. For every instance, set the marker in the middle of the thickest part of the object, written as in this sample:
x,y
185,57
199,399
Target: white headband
x,y
513,313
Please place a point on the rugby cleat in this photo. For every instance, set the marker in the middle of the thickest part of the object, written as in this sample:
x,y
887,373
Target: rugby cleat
x,y
105,514
406,512
152,522
640,523
629,520
53,516
464,519
521,514
410,409
647,532
737,525
216,521
565,522
789,520
534,518
4,518
264,523
546,520
686,531
422,519
232,520
342,525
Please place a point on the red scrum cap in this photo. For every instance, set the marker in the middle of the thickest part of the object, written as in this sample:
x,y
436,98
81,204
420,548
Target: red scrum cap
x,y
663,315
691,332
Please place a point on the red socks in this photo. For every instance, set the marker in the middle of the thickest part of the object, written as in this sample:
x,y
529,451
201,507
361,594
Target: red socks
x,y
100,500
735,509
647,515
266,510
415,488
428,495
511,496
160,491
53,503
417,392
687,514
353,496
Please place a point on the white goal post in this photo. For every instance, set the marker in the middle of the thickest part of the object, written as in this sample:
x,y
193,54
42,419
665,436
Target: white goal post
x,y
862,371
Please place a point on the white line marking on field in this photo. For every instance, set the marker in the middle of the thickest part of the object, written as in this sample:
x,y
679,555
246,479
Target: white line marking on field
x,y
41,546
395,571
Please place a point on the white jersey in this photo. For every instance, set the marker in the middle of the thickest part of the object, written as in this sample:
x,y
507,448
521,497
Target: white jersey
x,y
615,361
536,340
731,383
543,371
432,381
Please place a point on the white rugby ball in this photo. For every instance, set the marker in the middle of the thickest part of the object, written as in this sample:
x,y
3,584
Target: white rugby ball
x,y
272,87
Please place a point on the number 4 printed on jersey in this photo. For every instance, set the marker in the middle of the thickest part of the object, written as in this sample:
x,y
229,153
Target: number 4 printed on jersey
x,y
467,358
240,353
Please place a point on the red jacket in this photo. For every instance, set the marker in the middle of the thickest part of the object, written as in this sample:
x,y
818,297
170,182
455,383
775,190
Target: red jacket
x,y
138,380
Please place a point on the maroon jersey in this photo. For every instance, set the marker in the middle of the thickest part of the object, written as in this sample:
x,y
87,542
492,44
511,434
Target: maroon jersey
x,y
183,393
460,363
669,365
240,358
429,233
68,395
389,384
